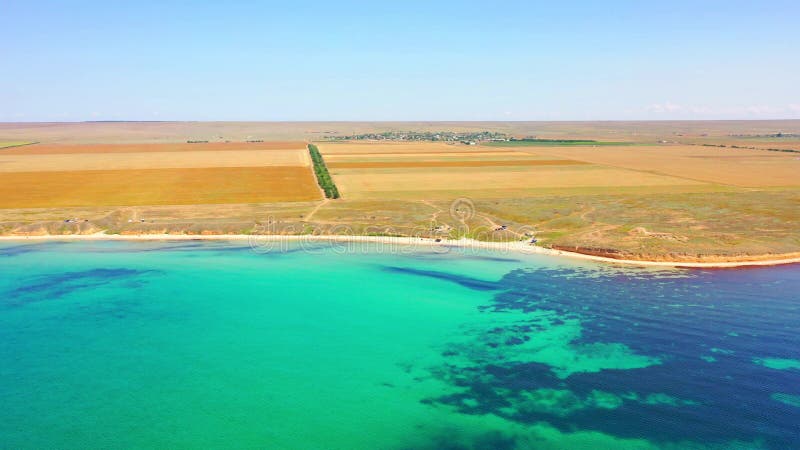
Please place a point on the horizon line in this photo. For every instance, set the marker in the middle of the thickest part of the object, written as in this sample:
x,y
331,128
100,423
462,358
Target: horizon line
x,y
395,121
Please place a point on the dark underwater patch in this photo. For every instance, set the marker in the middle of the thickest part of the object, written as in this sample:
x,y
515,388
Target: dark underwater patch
x,y
467,282
21,249
460,255
201,248
170,246
675,318
17,250
281,249
55,286
489,258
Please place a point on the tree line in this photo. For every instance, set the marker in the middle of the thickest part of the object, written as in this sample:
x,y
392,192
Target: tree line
x,y
323,176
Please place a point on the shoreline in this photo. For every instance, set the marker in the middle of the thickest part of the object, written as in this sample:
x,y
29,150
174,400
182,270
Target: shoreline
x,y
514,246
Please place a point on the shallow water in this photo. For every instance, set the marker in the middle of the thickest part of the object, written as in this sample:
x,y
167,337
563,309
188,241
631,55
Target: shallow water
x,y
204,344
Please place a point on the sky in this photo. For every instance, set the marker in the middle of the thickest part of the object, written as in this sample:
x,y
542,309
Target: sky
x,y
399,60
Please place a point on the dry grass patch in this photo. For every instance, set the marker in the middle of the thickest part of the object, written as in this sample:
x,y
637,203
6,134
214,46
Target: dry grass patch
x,y
654,225
157,187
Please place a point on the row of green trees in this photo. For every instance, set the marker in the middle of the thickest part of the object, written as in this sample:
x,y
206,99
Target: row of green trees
x,y
787,150
323,176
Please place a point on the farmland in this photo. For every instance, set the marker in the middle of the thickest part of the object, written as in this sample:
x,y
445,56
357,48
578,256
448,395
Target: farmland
x,y
489,181
388,171
553,142
59,149
649,190
647,200
149,160
47,176
474,163
736,167
157,187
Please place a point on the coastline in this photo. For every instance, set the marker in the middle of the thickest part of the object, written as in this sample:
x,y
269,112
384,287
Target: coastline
x,y
515,246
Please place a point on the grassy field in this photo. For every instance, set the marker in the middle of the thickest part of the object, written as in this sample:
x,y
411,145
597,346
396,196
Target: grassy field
x,y
647,198
657,225
233,218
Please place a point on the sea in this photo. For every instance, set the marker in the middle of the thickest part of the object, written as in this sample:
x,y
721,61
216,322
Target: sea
x,y
206,344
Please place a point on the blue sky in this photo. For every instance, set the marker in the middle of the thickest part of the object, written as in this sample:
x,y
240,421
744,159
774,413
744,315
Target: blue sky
x,y
304,60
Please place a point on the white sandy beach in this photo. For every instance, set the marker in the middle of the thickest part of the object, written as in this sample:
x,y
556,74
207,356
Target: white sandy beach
x,y
267,242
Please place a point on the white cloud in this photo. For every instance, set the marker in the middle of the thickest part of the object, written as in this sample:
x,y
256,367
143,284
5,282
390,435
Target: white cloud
x,y
700,110
760,110
666,107
669,109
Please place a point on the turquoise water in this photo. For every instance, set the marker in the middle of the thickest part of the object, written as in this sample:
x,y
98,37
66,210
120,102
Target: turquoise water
x,y
212,345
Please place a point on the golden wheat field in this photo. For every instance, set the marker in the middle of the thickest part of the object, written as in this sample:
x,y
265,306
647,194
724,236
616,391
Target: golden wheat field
x,y
152,160
736,167
419,170
430,156
217,185
52,149
425,183
461,163
46,176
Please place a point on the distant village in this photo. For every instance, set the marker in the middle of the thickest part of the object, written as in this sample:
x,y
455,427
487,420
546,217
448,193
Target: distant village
x,y
469,138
